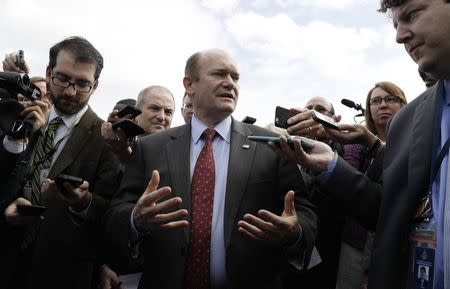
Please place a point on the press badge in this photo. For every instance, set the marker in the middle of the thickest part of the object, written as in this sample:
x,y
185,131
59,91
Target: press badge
x,y
423,247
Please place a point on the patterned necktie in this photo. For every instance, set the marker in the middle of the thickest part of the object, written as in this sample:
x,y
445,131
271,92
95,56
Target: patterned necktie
x,y
203,180
42,158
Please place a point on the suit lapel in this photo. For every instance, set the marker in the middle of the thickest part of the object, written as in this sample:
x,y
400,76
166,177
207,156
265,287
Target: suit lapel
x,y
422,141
77,139
179,167
239,166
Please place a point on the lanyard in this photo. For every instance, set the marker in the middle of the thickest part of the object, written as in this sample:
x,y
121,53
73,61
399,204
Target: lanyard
x,y
439,160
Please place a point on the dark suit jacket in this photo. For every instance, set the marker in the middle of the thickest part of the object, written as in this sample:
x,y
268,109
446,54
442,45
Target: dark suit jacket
x,y
257,179
66,253
406,173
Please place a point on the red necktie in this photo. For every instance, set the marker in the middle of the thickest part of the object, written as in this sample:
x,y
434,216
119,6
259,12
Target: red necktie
x,y
203,180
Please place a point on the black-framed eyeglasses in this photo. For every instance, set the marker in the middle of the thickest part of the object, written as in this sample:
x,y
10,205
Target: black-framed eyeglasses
x,y
389,99
64,83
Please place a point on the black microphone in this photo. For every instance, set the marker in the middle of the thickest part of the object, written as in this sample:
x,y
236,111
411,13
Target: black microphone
x,y
352,104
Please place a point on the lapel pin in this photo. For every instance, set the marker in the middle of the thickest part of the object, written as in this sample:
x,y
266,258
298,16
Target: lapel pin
x,y
245,146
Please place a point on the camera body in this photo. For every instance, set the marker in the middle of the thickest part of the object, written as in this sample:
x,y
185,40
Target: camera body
x,y
11,122
16,83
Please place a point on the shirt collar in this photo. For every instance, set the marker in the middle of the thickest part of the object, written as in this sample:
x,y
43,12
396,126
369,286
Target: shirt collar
x,y
223,129
70,120
447,92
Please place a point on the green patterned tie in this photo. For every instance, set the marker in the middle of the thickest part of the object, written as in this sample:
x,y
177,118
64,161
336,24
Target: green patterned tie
x,y
42,158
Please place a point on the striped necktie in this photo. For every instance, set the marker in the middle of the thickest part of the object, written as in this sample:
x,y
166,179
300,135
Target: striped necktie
x,y
45,148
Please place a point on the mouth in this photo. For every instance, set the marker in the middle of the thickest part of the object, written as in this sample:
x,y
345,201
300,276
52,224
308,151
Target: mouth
x,y
413,48
385,115
226,95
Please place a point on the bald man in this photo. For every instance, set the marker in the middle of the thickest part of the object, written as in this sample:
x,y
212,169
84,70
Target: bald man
x,y
208,207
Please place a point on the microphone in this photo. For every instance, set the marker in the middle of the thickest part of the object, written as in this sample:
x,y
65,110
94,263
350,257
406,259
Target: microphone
x,y
352,104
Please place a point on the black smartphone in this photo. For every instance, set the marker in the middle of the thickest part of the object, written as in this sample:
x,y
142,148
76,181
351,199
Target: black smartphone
x,y
130,128
31,210
20,58
325,120
74,181
282,115
134,111
305,143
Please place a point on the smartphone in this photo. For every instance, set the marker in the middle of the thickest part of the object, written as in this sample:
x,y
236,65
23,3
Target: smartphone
x,y
20,58
30,210
306,145
325,120
134,111
282,115
130,128
74,181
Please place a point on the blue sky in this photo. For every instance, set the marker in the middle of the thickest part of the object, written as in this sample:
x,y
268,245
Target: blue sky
x,y
287,50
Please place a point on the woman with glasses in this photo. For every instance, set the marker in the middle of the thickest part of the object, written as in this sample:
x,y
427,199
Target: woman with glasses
x,y
383,101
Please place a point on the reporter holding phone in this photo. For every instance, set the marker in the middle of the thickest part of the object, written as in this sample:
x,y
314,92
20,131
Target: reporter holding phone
x,y
63,249
157,106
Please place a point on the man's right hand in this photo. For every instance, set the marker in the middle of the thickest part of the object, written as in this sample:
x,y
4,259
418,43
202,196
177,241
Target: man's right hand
x,y
14,218
9,64
352,133
316,159
36,111
149,214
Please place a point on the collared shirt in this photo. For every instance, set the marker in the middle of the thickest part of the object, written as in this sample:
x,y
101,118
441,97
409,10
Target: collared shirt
x,y
221,153
441,202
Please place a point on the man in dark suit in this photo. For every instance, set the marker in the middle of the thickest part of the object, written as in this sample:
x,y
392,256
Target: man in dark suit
x,y
61,250
412,172
240,223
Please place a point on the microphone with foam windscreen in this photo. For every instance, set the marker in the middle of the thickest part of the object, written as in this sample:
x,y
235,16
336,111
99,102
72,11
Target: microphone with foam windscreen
x,y
352,104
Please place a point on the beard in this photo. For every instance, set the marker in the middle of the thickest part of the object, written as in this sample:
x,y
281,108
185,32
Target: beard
x,y
67,104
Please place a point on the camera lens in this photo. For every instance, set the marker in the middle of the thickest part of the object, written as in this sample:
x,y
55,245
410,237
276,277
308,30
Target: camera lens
x,y
26,81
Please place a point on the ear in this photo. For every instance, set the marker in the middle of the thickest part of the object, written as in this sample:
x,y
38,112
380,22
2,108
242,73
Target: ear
x,y
95,86
189,85
48,73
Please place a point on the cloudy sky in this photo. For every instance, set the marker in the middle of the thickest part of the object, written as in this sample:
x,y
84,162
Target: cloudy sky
x,y
287,50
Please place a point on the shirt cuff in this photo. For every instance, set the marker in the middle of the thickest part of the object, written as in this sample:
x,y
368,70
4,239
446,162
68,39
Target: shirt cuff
x,y
134,238
325,175
14,146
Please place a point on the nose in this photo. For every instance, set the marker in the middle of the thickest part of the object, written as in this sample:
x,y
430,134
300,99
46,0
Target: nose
x,y
229,82
160,115
70,90
403,35
383,103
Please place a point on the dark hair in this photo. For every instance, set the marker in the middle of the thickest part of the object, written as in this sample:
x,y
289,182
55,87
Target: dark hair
x,y
191,68
81,49
124,102
390,88
388,4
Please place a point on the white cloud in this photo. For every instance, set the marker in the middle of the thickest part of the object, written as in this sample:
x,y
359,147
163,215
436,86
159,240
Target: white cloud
x,y
322,4
282,62
220,5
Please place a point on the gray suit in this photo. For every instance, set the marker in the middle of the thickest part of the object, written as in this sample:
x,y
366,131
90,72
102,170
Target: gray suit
x,y
257,179
392,206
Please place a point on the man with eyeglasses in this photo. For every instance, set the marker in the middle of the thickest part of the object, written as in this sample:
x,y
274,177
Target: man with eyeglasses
x,y
60,247
411,209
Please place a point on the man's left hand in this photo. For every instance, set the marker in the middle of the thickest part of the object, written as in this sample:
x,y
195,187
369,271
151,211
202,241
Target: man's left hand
x,y
283,230
77,198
